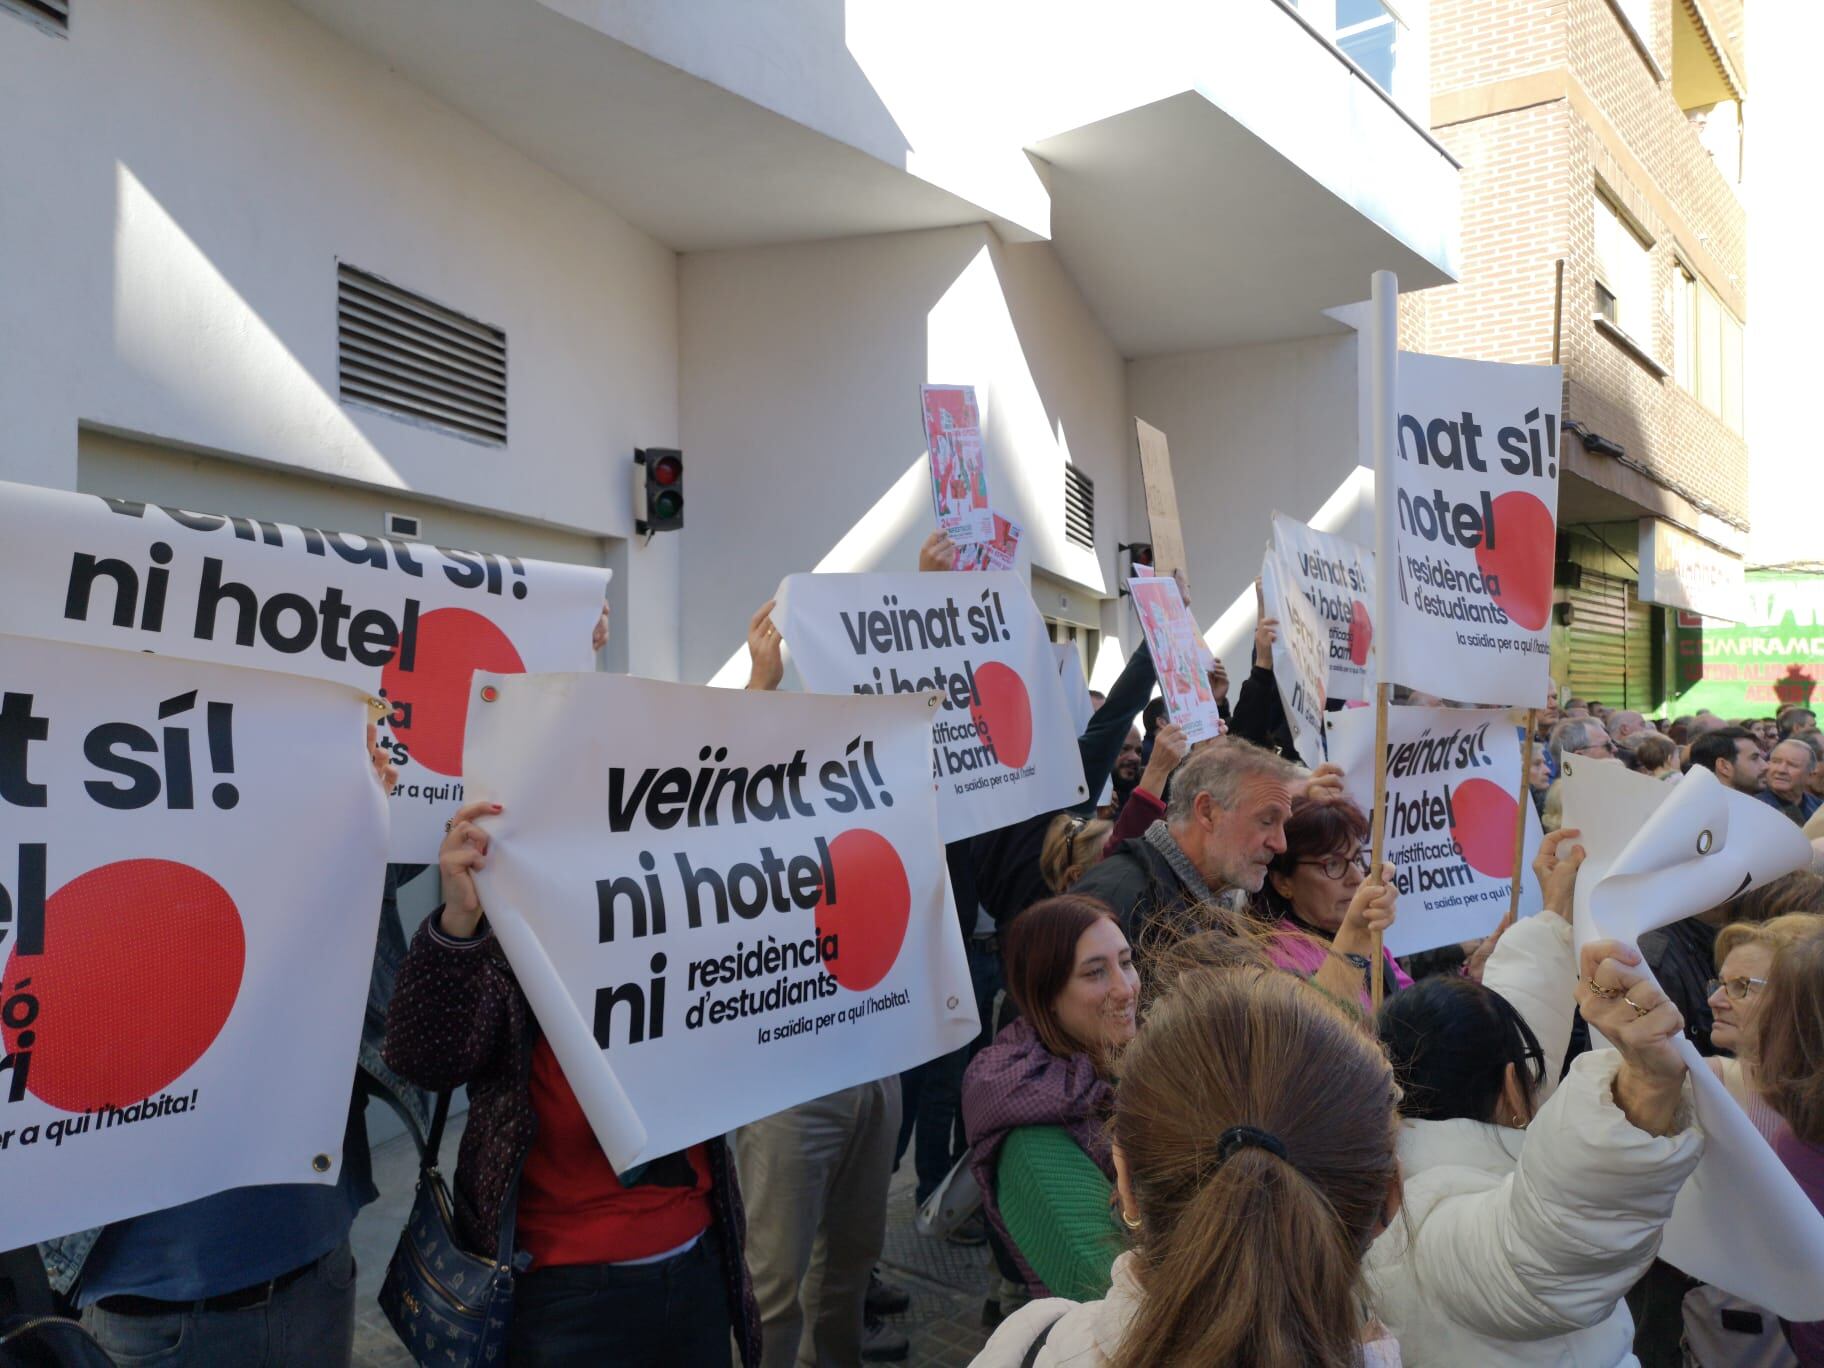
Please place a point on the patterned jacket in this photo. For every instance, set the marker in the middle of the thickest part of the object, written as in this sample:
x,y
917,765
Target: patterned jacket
x,y
458,1017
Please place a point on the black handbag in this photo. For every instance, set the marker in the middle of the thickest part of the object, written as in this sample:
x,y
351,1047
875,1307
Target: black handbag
x,y
450,1308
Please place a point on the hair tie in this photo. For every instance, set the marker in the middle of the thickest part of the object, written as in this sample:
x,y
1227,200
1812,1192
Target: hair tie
x,y
1248,1137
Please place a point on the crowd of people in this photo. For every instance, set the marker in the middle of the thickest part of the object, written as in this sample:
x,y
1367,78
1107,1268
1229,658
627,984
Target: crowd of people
x,y
1191,1136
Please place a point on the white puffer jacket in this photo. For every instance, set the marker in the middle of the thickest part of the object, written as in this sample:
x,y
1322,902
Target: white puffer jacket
x,y
1085,1335
1517,1247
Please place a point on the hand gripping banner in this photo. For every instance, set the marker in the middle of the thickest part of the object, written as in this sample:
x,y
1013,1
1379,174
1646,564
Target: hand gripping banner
x,y
719,903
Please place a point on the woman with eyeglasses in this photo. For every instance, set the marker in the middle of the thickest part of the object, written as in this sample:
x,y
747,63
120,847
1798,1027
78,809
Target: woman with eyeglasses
x,y
1744,957
1787,1039
1322,909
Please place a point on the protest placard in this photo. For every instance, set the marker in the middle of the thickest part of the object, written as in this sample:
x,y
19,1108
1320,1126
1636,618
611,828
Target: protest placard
x,y
1002,743
959,468
1161,493
995,554
1178,655
1656,853
1077,701
719,903
1301,656
1453,789
1472,505
402,620
190,879
1337,577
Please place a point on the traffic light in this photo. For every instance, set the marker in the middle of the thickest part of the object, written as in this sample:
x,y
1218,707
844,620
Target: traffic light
x,y
658,490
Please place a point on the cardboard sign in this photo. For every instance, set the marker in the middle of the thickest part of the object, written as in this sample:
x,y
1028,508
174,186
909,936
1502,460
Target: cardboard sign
x,y
1337,577
1171,635
1003,746
1655,854
1161,501
190,881
719,903
996,554
1453,788
1301,657
1077,701
1473,505
959,469
401,620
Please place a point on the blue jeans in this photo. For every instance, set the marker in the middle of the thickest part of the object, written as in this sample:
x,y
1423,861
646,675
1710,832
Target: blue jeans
x,y
308,1324
673,1314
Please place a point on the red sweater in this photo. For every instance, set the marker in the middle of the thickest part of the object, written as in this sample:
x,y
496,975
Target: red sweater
x,y
572,1207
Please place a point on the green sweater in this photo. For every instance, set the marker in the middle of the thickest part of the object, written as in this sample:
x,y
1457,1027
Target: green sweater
x,y
1054,1201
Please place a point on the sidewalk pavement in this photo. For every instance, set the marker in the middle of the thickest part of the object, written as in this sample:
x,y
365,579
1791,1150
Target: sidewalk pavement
x,y
948,1283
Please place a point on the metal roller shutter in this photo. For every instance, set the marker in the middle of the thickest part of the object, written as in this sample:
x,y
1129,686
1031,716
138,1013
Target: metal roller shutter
x,y
1599,664
1643,693
1612,643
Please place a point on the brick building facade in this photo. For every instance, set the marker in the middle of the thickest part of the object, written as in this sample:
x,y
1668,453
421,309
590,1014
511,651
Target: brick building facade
x,y
1606,134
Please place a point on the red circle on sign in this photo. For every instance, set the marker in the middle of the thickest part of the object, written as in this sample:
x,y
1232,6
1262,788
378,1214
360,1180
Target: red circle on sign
x,y
433,697
1521,559
1361,632
142,964
870,909
1002,713
1483,826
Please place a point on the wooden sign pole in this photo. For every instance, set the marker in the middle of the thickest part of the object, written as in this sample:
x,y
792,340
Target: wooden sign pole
x,y
1377,840
1526,796
1383,414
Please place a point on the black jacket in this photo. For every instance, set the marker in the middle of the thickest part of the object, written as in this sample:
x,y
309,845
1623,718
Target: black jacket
x,y
1006,876
1143,888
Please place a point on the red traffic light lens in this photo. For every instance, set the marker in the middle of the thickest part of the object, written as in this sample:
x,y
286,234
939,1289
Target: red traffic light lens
x,y
667,470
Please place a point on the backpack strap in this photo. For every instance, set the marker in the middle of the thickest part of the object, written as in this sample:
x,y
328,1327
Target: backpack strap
x,y
1032,1350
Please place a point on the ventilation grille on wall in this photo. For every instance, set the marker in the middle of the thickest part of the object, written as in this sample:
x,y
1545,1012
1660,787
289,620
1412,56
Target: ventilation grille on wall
x,y
1079,507
400,352
51,15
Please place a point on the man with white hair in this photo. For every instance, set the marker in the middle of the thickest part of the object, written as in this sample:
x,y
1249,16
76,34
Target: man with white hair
x,y
1788,780
1623,724
1224,823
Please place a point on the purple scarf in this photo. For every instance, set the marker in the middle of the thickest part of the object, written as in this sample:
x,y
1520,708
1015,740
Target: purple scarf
x,y
1016,1082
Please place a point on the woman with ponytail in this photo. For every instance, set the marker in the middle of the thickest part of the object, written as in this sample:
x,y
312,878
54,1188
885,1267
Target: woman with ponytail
x,y
1254,1134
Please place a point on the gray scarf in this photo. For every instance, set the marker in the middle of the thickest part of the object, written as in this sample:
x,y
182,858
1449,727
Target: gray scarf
x,y
1159,837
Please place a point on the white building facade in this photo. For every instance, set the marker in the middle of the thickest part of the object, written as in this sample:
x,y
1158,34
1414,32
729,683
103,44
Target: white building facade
x,y
746,230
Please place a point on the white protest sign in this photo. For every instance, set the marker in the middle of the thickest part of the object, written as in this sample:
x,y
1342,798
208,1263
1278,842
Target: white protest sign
x,y
1077,701
959,469
1301,656
1657,853
719,903
1453,790
996,554
1003,746
1178,655
190,880
1472,502
399,619
1337,577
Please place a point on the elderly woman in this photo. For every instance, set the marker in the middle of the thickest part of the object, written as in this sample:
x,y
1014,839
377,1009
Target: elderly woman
x,y
1036,1102
1744,957
1323,909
